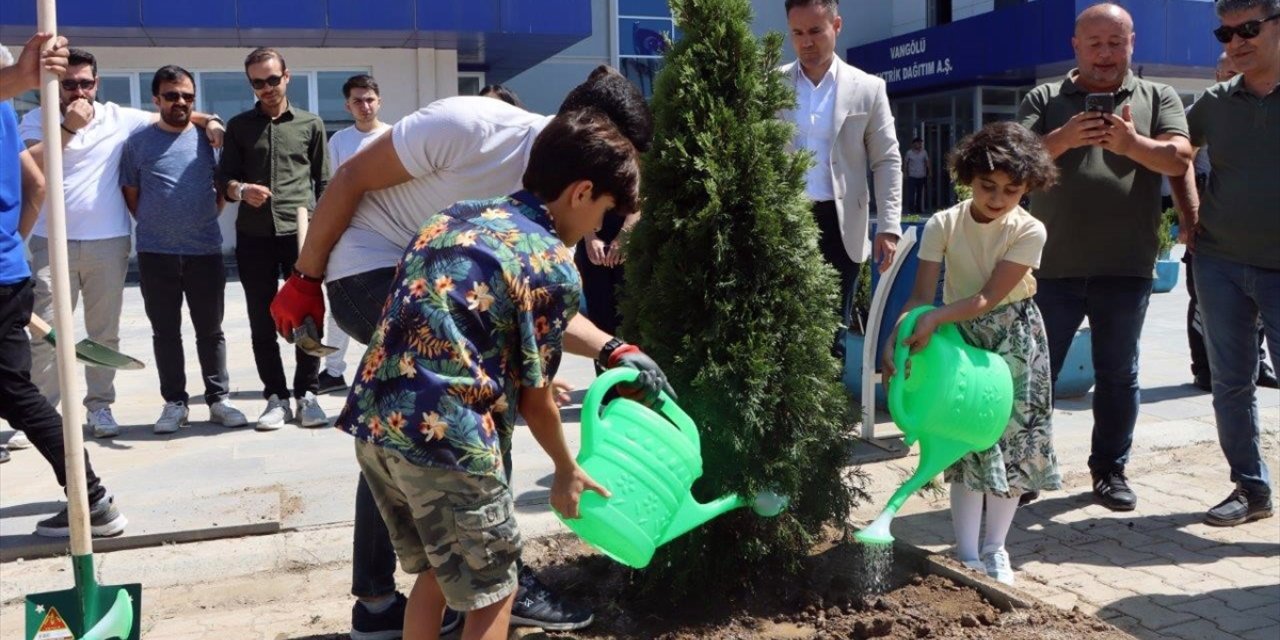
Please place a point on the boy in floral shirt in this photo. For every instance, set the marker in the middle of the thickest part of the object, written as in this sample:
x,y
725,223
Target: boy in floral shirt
x,y
474,327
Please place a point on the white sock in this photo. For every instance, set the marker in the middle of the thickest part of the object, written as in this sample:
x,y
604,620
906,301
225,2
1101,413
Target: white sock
x,y
966,520
379,605
1000,512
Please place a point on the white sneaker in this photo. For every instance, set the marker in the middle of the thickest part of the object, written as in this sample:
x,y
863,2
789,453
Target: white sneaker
x,y
175,415
226,414
309,412
275,416
18,441
996,561
975,565
103,423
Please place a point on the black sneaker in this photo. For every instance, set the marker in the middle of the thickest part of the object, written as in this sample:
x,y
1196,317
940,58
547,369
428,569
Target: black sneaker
x,y
389,625
105,521
538,606
1267,379
1028,497
1240,507
1112,491
1202,382
331,384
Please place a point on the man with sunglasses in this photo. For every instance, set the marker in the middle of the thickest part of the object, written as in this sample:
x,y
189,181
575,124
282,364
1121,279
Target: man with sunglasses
x,y
98,229
166,173
1235,235
1103,221
275,160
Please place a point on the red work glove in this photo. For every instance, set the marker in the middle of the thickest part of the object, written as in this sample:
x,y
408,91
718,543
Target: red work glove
x,y
300,298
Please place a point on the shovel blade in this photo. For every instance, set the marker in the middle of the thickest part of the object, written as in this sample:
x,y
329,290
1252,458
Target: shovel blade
x,y
58,615
96,354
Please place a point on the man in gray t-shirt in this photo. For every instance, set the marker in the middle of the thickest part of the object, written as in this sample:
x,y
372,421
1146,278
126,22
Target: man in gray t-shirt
x,y
1112,135
166,173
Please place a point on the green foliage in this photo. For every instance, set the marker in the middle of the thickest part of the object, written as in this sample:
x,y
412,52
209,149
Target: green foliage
x,y
1164,235
963,191
727,290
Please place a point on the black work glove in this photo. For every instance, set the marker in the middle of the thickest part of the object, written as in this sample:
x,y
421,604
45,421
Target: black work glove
x,y
651,380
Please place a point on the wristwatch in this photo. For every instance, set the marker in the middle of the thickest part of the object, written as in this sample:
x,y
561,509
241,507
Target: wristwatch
x,y
606,352
239,191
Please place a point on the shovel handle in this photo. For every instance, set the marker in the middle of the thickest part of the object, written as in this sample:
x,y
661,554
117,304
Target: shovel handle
x,y
40,328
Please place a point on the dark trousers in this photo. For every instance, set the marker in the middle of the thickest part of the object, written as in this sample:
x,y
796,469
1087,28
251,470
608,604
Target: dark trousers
x,y
915,194
21,404
263,262
1195,331
166,280
600,288
831,244
356,303
1116,307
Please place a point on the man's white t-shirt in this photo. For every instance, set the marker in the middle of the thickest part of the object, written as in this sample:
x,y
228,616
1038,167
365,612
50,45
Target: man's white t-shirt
x,y
91,171
917,163
347,142
461,148
815,108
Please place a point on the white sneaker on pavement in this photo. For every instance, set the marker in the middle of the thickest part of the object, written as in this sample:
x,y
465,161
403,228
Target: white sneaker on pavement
x,y
104,424
996,561
275,416
226,414
18,440
173,416
309,412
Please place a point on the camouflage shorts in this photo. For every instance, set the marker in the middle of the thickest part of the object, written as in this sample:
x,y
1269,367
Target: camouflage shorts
x,y
460,525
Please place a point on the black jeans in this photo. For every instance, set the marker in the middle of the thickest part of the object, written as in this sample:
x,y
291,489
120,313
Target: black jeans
x,y
263,262
356,304
21,404
600,288
166,280
915,194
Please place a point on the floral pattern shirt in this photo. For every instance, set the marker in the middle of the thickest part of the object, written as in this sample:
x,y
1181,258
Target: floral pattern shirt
x,y
481,301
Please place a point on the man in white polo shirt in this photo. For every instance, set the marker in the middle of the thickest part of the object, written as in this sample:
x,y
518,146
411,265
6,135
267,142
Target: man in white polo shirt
x,y
98,232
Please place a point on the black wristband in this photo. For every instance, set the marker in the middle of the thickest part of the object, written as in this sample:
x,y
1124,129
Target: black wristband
x,y
64,128
306,278
606,352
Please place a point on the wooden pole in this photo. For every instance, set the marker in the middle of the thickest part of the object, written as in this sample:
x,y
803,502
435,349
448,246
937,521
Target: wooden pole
x,y
56,225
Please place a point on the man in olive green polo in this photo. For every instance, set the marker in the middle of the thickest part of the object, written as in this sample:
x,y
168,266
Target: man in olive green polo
x,y
274,160
1103,219
1237,241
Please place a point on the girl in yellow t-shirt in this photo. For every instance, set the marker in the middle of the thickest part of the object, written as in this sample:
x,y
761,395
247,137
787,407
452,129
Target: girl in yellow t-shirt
x,y
990,245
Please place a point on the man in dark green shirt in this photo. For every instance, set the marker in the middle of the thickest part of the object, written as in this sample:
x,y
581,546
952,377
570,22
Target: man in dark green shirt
x,y
1103,218
274,160
1237,241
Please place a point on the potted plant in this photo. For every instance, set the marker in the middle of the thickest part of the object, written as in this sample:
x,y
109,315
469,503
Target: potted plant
x,y
1166,268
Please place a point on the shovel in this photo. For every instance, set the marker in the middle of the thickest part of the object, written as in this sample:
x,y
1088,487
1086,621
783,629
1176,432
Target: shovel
x,y
307,336
89,611
88,352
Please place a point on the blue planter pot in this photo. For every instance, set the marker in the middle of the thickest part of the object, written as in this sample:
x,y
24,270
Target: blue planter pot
x,y
853,344
1166,276
1076,377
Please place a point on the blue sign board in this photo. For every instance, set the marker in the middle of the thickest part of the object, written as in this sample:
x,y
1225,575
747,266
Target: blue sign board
x,y
1015,43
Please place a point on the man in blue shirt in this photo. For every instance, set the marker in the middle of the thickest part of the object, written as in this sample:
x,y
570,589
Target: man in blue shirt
x,y
21,193
166,173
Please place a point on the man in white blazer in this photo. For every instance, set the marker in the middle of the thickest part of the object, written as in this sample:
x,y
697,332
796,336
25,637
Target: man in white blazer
x,y
843,117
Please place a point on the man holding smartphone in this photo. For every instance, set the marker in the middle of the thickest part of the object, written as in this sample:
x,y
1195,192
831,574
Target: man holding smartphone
x,y
1113,136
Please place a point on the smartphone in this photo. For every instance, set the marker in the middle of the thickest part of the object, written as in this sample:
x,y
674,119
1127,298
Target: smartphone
x,y
1100,103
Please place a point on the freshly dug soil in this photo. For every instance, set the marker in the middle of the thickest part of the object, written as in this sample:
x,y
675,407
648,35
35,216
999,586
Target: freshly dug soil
x,y
825,602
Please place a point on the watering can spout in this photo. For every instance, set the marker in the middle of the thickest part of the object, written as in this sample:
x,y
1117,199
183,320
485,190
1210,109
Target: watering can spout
x,y
936,454
693,514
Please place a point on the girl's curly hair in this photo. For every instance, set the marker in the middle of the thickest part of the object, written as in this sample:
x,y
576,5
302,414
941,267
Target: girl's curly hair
x,y
1007,147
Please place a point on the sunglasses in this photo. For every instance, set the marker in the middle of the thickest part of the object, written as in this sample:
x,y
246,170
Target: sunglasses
x,y
262,83
172,96
1247,31
73,84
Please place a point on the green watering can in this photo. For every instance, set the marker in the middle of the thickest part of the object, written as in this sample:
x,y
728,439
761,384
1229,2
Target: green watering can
x,y
958,399
648,459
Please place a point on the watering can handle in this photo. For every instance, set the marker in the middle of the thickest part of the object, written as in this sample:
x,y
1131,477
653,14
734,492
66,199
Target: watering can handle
x,y
901,354
667,407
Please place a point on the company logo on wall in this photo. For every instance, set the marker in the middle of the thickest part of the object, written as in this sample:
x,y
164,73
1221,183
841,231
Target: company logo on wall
x,y
912,61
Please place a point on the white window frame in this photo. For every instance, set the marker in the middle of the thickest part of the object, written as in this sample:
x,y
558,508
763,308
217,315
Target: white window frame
x,y
478,75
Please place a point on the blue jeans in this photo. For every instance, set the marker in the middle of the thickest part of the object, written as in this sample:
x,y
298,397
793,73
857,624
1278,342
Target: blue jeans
x,y
1232,295
1116,307
356,304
